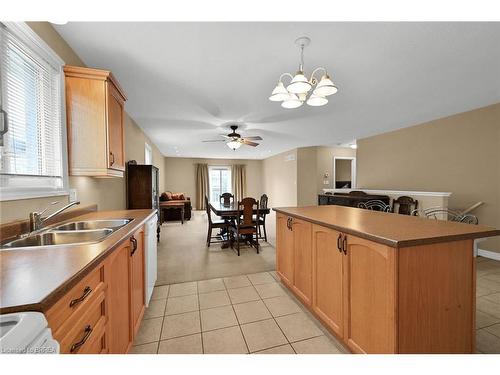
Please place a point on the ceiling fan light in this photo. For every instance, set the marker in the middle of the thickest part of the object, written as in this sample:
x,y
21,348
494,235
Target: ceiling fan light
x,y
325,87
279,93
316,100
292,102
299,84
233,145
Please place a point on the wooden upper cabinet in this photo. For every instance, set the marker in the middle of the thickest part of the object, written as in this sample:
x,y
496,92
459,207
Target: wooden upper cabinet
x,y
369,296
284,249
95,115
328,278
302,254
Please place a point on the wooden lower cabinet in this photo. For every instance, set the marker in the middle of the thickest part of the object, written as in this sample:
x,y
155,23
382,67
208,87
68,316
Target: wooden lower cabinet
x,y
137,290
302,260
119,322
328,278
370,293
103,311
285,257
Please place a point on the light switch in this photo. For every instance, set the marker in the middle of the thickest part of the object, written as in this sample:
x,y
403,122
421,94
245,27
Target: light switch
x,y
72,195
326,182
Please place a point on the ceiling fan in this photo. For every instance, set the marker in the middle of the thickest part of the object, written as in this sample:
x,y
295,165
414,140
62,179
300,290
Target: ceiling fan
x,y
234,140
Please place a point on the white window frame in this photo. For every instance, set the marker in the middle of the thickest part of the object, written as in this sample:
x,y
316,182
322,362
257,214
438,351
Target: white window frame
x,y
219,167
148,154
29,189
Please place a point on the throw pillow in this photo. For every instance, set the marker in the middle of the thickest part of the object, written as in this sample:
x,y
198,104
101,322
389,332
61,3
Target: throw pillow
x,y
169,195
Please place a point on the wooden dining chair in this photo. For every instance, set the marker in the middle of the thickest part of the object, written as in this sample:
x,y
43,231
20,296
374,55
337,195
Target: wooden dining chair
x,y
261,218
226,198
404,205
244,226
214,224
375,205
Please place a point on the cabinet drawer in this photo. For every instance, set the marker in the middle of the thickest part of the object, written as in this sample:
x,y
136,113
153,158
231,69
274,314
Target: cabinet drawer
x,y
76,300
84,334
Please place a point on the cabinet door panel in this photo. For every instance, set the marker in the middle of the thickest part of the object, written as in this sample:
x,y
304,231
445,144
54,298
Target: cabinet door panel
x,y
327,299
302,253
115,129
284,249
120,334
137,282
370,287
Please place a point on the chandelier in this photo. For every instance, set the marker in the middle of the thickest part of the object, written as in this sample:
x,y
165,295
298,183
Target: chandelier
x,y
296,93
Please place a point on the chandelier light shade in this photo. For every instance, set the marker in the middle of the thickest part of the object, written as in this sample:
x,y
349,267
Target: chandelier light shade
x,y
233,145
316,100
325,87
293,101
279,93
297,91
299,84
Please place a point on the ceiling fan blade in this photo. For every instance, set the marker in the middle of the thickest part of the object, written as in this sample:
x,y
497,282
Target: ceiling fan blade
x,y
248,143
254,138
215,140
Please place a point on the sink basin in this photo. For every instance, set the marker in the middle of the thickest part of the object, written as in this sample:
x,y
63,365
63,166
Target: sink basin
x,y
93,224
60,238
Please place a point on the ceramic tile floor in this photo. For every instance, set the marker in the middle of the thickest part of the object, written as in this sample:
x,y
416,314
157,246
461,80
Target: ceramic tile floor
x,y
241,314
255,314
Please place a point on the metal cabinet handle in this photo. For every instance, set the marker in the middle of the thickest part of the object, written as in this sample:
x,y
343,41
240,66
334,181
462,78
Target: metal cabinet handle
x,y
85,294
339,243
112,158
134,244
87,332
344,244
291,223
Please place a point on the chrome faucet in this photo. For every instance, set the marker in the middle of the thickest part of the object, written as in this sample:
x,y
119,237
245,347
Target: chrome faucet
x,y
36,220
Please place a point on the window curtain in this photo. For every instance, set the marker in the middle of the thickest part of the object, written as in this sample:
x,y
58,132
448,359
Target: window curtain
x,y
201,185
238,181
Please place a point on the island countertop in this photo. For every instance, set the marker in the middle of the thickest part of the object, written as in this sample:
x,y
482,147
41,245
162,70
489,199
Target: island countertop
x,y
34,279
388,228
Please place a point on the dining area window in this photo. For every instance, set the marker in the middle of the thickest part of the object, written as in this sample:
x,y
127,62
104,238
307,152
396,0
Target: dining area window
x,y
219,178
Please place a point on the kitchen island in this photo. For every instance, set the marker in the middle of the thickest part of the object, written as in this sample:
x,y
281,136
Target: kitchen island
x,y
382,282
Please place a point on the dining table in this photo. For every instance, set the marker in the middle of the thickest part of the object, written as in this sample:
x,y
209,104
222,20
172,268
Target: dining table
x,y
229,211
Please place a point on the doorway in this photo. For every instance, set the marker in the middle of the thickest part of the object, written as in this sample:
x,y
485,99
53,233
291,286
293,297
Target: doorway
x,y
344,172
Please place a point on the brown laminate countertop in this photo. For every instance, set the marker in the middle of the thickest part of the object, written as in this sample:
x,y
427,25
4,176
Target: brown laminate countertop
x,y
388,228
34,279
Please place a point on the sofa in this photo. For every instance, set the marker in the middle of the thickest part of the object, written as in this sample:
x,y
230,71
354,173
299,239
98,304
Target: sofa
x,y
171,215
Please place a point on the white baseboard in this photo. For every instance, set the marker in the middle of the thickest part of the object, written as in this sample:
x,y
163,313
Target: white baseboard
x,y
488,254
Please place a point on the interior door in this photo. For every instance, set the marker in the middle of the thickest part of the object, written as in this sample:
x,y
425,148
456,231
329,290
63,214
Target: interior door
x,y
284,249
118,300
370,292
116,157
302,254
328,278
137,289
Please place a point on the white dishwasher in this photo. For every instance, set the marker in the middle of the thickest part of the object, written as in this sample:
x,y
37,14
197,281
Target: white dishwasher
x,y
151,253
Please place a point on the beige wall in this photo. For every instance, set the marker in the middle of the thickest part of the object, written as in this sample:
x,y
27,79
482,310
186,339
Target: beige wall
x,y
459,154
180,175
325,157
279,178
107,193
307,192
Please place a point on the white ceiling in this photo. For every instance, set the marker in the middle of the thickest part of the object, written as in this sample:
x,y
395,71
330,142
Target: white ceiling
x,y
187,82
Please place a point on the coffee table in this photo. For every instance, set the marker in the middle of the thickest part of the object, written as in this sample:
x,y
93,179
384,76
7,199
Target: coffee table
x,y
172,206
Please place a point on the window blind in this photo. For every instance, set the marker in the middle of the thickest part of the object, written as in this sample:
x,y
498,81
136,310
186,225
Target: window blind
x,y
31,97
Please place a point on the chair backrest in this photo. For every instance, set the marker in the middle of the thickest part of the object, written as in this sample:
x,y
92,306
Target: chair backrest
x,y
441,213
357,193
207,208
404,205
246,210
225,198
375,205
263,201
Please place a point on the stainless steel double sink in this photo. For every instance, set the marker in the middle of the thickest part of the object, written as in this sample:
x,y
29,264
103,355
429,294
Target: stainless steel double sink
x,y
73,233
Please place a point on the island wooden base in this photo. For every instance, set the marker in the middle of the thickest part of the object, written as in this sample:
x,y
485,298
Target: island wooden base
x,y
380,299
